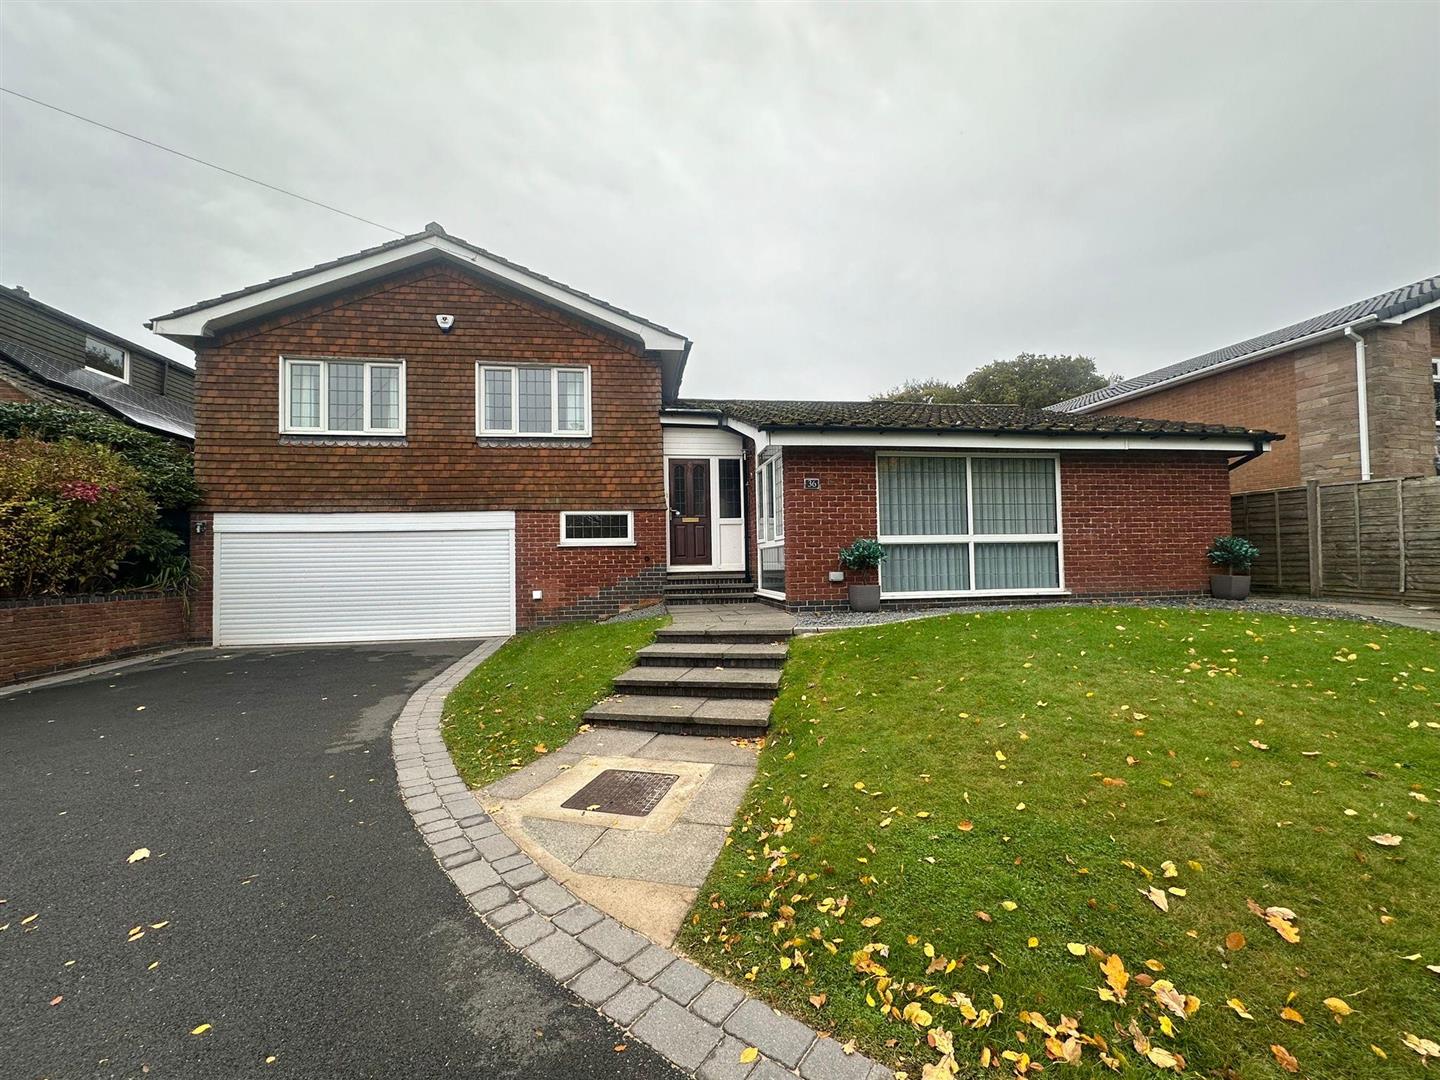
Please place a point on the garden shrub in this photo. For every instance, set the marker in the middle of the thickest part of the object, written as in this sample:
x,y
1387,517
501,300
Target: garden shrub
x,y
166,466
71,513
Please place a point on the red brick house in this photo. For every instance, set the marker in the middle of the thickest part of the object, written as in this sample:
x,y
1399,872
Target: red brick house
x,y
1356,392
424,440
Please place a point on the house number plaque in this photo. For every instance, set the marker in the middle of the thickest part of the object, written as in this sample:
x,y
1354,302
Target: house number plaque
x,y
812,483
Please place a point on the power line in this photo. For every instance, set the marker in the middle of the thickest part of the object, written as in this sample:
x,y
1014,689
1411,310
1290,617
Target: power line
x,y
199,161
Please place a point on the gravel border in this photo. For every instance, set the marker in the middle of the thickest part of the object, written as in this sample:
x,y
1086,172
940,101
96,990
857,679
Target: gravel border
x,y
1304,609
699,1023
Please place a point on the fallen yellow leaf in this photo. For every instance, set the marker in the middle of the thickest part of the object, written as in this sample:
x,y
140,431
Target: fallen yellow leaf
x,y
138,854
201,1030
748,1055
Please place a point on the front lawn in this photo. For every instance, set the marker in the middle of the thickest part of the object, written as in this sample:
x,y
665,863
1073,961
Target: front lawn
x,y
529,697
970,825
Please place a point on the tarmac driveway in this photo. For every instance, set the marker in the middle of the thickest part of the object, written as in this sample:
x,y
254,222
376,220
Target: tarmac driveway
x,y
303,917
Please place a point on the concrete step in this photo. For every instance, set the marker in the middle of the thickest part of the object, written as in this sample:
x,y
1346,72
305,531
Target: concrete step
x,y
705,682
718,654
749,632
682,715
678,577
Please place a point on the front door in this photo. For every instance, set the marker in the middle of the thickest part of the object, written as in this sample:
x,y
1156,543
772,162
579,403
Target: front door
x,y
689,512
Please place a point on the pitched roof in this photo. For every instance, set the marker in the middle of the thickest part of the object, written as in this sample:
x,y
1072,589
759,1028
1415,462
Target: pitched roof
x,y
1386,305
162,414
895,416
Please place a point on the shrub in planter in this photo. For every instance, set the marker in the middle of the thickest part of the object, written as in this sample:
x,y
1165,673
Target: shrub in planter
x,y
1237,555
861,556
70,514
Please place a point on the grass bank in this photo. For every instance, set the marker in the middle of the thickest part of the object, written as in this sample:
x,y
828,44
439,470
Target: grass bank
x,y
529,697
968,828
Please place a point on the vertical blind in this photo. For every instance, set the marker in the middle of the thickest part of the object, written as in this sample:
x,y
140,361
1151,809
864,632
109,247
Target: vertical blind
x,y
966,508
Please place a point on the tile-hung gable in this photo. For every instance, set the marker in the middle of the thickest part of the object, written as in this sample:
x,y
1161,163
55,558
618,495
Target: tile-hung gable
x,y
1396,303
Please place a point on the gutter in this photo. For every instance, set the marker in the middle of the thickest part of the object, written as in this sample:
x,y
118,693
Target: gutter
x,y
1361,399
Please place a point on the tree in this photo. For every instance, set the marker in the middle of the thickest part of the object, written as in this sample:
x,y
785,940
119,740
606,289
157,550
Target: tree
x,y
1033,380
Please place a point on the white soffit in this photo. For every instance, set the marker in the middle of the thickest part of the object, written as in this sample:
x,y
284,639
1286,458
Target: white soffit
x,y
206,321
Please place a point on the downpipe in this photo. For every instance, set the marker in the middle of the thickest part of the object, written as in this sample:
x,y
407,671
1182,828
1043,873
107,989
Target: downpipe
x,y
1362,401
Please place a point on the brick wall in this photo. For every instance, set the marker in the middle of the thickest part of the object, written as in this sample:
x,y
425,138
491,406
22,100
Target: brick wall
x,y
1259,395
10,392
1400,399
1309,396
1139,523
38,637
819,523
244,464
585,582
1135,523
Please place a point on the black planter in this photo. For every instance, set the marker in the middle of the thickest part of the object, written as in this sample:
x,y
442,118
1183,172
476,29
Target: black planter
x,y
864,597
1230,586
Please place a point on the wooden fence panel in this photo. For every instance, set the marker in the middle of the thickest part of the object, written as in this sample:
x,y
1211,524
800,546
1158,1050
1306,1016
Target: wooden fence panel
x,y
1339,537
1422,536
1376,538
1293,551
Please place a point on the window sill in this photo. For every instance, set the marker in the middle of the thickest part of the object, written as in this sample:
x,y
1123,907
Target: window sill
x,y
770,593
576,442
343,440
595,543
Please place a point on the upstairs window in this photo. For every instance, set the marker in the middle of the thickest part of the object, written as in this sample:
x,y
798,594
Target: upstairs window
x,y
109,360
342,397
532,401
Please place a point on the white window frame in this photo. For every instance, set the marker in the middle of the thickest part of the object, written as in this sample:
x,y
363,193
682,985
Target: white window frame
x,y
1435,378
513,431
972,538
124,358
628,541
769,529
366,428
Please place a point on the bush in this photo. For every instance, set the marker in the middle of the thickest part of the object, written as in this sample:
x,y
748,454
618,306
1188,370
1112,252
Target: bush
x,y
1235,552
863,554
166,467
70,515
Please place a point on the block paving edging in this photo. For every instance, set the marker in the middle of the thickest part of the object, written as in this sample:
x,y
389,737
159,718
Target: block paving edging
x,y
699,1023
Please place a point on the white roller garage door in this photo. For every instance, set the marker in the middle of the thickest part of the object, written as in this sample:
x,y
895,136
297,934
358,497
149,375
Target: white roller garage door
x,y
298,578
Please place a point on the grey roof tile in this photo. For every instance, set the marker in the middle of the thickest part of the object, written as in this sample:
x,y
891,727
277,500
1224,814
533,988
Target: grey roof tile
x,y
899,416
1386,305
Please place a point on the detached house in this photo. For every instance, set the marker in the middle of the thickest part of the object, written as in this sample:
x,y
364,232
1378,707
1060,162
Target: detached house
x,y
1356,392
425,440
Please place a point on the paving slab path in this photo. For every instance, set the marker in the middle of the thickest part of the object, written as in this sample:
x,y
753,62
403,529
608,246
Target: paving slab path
x,y
304,916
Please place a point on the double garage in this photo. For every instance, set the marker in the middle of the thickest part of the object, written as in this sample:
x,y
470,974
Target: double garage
x,y
293,579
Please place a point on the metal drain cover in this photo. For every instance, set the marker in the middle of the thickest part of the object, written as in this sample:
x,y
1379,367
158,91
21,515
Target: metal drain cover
x,y
622,791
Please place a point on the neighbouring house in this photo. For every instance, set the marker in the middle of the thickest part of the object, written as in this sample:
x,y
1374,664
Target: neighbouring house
x,y
50,356
1356,392
425,440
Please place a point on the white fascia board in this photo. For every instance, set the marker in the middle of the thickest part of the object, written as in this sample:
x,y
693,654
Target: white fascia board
x,y
205,321
759,436
399,521
1239,361
969,440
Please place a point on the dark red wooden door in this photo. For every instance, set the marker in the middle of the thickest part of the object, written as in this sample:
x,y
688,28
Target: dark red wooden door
x,y
689,512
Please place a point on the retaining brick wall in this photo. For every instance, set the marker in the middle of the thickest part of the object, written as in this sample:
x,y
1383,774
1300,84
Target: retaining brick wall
x,y
38,637
585,582
1135,523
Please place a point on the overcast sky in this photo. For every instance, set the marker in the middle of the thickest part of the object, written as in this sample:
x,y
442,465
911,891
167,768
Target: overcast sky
x,y
826,199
